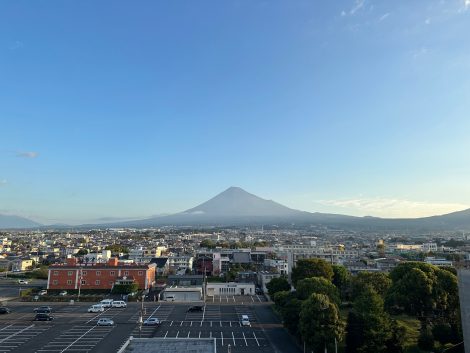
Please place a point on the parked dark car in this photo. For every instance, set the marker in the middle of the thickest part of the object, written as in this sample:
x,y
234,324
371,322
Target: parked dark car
x,y
195,308
43,309
4,310
43,317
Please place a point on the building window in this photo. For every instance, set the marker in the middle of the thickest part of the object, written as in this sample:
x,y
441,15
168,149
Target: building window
x,y
56,273
55,282
70,273
98,273
140,273
84,273
126,273
112,273
97,282
69,282
111,283
83,282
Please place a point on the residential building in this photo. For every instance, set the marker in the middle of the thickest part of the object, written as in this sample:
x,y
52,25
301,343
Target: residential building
x,y
74,275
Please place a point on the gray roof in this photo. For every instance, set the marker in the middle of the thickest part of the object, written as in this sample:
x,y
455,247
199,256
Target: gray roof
x,y
169,345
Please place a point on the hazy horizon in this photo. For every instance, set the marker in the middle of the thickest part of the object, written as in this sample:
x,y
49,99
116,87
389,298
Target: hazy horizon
x,y
117,109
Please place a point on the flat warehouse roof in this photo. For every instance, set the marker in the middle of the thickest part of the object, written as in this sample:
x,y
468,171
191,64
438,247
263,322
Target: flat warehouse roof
x,y
169,345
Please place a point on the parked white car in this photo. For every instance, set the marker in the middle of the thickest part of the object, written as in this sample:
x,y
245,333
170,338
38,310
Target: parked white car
x,y
107,303
245,321
119,304
97,308
151,321
22,281
105,322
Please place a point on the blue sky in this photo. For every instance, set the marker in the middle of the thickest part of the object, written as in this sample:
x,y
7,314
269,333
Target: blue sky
x,y
130,109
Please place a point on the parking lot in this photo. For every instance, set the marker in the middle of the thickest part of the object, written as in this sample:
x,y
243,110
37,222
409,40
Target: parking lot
x,y
74,329
238,299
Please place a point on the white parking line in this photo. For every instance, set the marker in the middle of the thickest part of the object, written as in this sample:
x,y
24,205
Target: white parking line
x,y
256,339
166,334
199,334
258,298
71,344
177,333
246,343
191,324
188,334
171,324
222,337
16,333
233,337
252,299
5,328
153,312
204,312
181,323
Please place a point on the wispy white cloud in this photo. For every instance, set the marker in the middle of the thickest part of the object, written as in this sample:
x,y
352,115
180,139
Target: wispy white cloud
x,y
419,52
427,21
384,16
3,182
28,154
385,207
358,5
17,45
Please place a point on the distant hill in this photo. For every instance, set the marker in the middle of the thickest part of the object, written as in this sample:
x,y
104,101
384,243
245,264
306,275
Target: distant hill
x,y
15,222
235,206
236,202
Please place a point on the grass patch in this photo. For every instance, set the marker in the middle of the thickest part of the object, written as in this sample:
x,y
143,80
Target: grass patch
x,y
412,327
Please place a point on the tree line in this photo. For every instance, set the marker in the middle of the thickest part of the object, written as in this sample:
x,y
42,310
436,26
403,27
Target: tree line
x,y
326,306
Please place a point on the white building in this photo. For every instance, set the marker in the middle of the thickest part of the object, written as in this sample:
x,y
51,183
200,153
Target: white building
x,y
281,266
180,262
428,247
264,278
437,261
230,288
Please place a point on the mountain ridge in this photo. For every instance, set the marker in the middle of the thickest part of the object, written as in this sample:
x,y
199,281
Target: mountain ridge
x,y
235,206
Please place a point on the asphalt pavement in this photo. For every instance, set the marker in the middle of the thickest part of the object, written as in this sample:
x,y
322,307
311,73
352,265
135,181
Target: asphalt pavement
x,y
74,329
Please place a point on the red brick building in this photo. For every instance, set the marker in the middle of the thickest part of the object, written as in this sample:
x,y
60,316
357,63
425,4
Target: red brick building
x,y
73,275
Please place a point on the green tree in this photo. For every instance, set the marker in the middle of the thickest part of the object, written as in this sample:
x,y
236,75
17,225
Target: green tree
x,y
207,243
306,287
320,323
125,288
81,252
277,285
379,281
117,248
290,313
426,339
342,280
306,268
281,298
369,326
